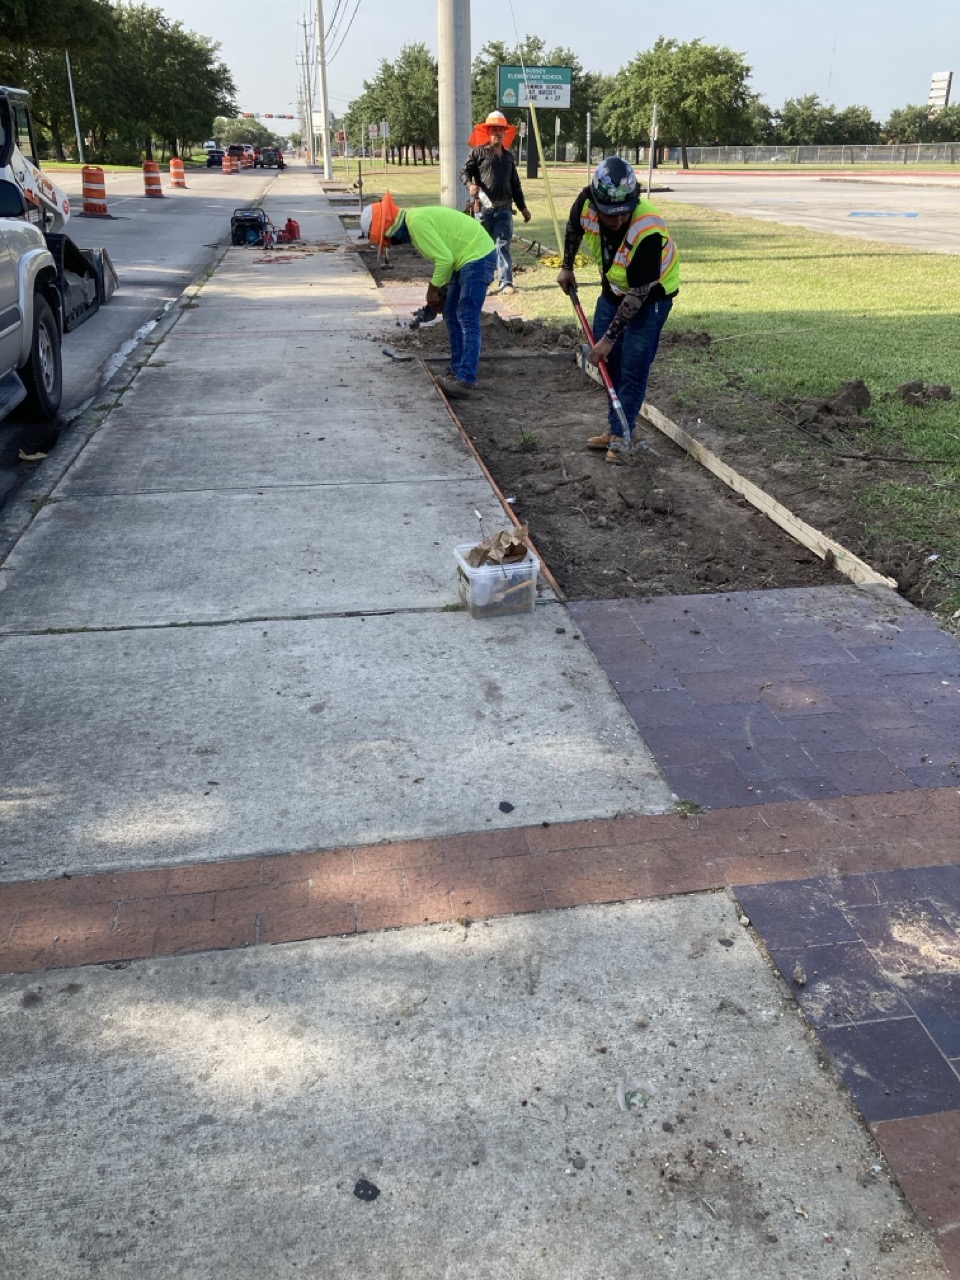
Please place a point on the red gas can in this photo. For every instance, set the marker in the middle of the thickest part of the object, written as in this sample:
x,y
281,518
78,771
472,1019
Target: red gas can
x,y
292,229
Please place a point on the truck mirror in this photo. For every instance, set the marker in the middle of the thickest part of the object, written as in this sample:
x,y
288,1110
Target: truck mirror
x,y
12,202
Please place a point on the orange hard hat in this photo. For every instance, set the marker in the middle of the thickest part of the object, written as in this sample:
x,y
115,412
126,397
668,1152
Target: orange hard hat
x,y
495,120
377,219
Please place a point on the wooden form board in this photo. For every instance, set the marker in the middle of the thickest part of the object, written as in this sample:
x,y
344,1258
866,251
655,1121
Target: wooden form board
x,y
845,561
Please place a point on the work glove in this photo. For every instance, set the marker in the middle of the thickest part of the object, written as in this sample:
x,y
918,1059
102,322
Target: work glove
x,y
434,297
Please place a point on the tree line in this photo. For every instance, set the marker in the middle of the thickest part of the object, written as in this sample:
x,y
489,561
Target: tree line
x,y
702,91
141,81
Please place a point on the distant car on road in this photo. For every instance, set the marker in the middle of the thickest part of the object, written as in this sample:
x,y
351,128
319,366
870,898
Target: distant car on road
x,y
270,158
243,151
214,157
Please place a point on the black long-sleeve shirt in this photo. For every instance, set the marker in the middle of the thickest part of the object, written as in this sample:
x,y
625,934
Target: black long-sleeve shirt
x,y
643,269
496,175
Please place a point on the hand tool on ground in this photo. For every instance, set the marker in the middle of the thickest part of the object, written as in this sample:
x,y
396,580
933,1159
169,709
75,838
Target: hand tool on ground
x,y
604,373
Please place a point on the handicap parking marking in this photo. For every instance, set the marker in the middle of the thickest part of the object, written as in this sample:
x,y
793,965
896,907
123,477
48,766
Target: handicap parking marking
x,y
880,213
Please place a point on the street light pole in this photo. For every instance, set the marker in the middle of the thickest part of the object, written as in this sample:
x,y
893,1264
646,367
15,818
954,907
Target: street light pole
x,y
73,103
322,83
311,152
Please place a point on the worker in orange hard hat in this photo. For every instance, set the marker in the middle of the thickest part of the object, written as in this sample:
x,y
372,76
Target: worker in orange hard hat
x,y
490,175
464,262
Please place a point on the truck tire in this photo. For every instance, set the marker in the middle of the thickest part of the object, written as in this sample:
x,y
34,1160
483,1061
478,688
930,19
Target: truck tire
x,y
42,374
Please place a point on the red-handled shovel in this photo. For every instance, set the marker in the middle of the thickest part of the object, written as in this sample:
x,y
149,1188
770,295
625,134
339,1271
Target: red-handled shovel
x,y
611,390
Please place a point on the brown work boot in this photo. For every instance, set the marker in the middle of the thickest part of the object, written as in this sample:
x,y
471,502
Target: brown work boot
x,y
616,456
453,388
600,442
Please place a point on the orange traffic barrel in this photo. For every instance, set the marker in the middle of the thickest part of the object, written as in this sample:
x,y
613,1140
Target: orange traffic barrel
x,y
94,192
178,177
231,164
247,161
151,179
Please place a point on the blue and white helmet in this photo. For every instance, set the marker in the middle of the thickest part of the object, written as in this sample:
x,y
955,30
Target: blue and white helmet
x,y
613,188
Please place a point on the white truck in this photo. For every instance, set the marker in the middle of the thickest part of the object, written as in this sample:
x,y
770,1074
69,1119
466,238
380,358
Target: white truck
x,y
48,285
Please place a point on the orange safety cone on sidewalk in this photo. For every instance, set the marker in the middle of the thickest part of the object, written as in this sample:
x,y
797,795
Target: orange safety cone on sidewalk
x,y
94,192
151,179
178,177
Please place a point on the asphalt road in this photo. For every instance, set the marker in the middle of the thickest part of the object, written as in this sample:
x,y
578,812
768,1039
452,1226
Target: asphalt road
x,y
894,210
158,247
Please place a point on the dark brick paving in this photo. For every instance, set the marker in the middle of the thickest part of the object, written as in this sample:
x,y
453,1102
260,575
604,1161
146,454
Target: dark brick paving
x,y
766,696
817,694
874,962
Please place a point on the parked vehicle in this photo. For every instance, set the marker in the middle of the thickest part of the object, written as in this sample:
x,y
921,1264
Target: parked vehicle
x,y
48,284
31,314
243,151
271,158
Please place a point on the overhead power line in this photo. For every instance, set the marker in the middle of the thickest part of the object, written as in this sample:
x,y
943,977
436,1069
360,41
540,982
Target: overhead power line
x,y
356,9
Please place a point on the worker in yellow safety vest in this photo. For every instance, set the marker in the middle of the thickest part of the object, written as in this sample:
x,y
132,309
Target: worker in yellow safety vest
x,y
464,264
640,276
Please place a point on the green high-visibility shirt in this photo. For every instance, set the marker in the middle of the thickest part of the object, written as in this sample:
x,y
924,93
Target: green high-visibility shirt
x,y
449,238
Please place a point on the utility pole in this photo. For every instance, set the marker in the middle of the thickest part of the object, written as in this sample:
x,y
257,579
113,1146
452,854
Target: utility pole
x,y
589,136
322,84
311,151
654,131
453,19
73,103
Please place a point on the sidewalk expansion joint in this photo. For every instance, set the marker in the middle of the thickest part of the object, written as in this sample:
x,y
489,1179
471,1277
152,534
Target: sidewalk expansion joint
x,y
320,616
80,496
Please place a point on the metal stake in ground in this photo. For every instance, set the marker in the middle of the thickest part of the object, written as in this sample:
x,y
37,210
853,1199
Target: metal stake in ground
x,y
604,373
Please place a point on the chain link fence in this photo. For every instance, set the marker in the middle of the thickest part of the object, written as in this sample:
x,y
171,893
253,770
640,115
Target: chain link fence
x,y
911,153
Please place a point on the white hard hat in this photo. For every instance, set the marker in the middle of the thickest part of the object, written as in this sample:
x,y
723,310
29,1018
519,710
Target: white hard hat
x,y
366,218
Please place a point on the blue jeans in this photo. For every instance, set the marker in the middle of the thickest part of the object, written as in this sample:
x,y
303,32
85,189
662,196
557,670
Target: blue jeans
x,y
461,311
498,224
632,355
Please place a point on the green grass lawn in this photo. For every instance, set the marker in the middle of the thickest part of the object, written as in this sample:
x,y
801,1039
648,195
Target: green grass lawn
x,y
793,312
70,166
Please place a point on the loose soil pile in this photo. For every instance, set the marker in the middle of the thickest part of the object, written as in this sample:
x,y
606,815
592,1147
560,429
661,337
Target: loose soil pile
x,y
660,523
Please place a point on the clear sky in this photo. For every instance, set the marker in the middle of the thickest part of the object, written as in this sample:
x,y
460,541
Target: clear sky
x,y
878,53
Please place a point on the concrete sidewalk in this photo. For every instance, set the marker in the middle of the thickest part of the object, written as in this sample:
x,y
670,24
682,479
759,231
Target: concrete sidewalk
x,y
248,738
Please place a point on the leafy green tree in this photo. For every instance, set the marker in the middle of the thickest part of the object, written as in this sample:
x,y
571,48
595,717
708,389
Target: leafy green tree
x,y
405,94
240,129
143,79
916,124
856,126
701,90
760,131
68,24
808,122
804,122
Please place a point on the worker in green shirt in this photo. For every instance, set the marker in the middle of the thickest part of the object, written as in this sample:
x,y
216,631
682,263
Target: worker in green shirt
x,y
464,263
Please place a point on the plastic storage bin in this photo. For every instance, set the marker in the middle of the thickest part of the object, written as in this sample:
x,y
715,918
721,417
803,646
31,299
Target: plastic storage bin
x,y
495,590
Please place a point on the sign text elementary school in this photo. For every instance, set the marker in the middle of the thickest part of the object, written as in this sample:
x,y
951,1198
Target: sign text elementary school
x,y
543,86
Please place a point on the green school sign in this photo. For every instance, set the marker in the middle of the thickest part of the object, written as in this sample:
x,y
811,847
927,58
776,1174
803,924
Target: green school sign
x,y
541,86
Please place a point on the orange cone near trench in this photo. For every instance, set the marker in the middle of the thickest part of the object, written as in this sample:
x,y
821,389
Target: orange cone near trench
x,y
178,177
94,192
151,179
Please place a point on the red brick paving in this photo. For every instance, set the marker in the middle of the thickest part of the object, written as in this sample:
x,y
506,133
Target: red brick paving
x,y
924,1153
128,915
